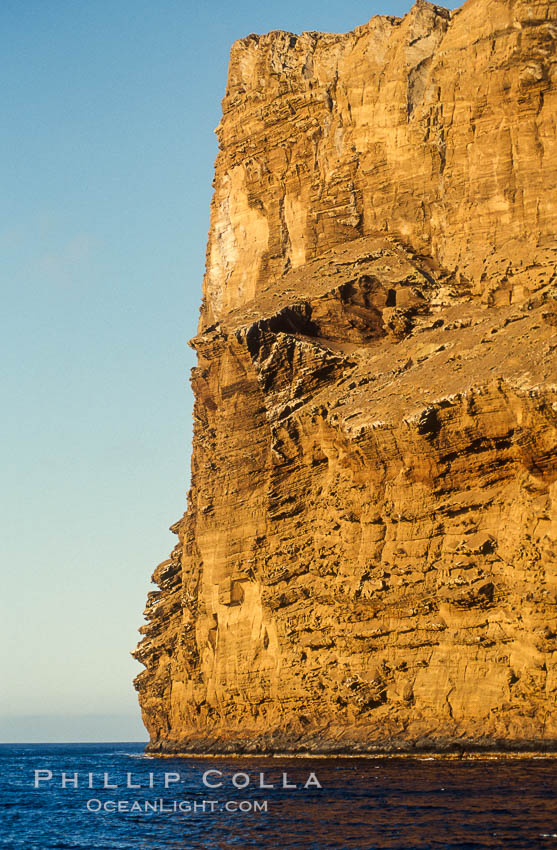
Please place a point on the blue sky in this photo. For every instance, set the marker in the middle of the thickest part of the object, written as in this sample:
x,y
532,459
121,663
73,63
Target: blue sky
x,y
107,156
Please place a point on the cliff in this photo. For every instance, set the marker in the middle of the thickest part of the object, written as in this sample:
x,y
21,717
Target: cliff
x,y
368,557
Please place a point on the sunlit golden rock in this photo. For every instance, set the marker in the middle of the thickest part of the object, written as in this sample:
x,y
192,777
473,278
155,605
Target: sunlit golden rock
x,y
368,557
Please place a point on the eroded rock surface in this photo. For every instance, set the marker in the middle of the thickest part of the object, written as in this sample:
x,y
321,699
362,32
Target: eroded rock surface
x,y
368,558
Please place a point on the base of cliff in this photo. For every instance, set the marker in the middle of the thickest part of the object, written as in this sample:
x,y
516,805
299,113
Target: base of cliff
x,y
285,745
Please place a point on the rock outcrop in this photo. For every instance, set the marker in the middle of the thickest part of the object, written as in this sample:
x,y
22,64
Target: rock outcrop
x,y
368,559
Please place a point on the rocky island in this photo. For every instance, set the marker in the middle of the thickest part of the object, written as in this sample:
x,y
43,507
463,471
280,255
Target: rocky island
x,y
368,558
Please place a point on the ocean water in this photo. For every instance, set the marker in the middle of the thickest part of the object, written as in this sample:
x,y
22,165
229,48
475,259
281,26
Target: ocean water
x,y
361,804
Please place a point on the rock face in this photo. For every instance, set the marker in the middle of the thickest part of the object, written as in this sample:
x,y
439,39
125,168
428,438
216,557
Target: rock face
x,y
368,558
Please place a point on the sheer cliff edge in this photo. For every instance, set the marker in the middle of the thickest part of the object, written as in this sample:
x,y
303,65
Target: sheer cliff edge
x,y
368,557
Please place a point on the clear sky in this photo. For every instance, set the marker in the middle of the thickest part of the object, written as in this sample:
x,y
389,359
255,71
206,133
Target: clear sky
x,y
107,155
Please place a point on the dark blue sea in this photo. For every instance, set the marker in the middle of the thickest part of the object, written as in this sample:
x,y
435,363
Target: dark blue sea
x,y
362,803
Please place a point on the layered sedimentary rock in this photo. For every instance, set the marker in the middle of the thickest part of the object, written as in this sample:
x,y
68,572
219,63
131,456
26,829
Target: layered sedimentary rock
x,y
368,558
